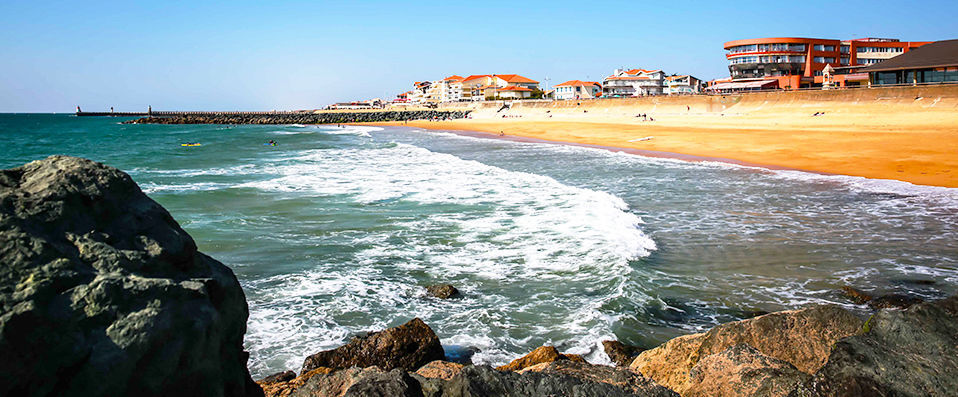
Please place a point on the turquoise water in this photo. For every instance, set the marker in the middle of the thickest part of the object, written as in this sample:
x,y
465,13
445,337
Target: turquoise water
x,y
335,231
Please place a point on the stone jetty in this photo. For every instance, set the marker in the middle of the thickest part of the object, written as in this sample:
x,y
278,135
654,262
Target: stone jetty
x,y
301,118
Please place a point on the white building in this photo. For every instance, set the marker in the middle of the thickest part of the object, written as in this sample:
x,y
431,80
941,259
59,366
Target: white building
x,y
678,85
635,82
577,89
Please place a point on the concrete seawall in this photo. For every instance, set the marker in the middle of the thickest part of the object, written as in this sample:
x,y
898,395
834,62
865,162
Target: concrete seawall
x,y
301,118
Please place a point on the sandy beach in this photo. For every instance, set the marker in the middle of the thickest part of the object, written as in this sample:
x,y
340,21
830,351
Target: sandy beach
x,y
908,134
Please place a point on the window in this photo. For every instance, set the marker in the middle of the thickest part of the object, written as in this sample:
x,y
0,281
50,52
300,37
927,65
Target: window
x,y
824,60
845,61
845,49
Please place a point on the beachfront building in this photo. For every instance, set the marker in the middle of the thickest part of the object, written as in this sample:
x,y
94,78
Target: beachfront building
x,y
634,82
682,85
933,63
799,62
448,89
577,89
421,93
480,87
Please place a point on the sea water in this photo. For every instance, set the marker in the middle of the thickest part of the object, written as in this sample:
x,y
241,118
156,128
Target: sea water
x,y
335,231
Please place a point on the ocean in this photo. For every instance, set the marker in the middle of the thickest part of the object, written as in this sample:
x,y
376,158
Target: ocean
x,y
335,231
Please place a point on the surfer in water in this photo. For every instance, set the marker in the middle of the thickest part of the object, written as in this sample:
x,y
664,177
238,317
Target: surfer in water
x,y
271,142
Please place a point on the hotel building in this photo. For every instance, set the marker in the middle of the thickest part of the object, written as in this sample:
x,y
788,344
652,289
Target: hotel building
x,y
797,62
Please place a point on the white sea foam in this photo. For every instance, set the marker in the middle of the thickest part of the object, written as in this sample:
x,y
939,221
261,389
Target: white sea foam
x,y
488,227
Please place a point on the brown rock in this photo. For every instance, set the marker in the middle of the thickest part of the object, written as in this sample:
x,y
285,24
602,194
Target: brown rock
x,y
620,353
443,291
408,346
857,296
370,381
284,376
802,338
743,371
286,388
544,354
620,377
440,369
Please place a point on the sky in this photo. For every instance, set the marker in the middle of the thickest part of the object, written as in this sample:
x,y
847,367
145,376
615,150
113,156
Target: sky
x,y
286,55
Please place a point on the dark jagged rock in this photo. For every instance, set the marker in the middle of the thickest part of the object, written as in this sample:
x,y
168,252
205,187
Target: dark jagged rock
x,y
442,291
408,346
889,301
892,301
103,294
620,353
543,354
743,371
483,381
304,118
911,352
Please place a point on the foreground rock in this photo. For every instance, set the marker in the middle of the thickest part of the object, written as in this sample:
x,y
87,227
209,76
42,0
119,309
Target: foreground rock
x,y
544,354
743,371
630,381
620,353
802,338
408,346
440,369
911,352
443,291
103,294
357,382
281,385
482,381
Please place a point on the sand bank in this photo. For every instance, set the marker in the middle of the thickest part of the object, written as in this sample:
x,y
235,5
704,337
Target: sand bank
x,y
908,134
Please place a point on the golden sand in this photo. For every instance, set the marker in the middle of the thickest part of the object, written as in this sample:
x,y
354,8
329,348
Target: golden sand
x,y
908,134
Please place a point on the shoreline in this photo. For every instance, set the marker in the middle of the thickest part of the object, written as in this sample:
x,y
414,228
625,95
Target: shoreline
x,y
918,158
615,149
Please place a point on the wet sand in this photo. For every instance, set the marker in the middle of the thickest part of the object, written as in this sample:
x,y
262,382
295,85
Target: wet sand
x,y
907,139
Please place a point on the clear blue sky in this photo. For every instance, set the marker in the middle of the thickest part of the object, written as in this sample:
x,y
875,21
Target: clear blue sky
x,y
301,55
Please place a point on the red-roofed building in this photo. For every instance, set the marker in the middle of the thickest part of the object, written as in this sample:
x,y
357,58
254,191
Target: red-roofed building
x,y
577,89
479,87
634,82
448,89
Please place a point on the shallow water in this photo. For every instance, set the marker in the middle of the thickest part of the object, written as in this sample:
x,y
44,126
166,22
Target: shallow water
x,y
335,231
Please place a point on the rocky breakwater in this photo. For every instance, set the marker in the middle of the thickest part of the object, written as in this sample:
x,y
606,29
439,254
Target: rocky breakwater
x,y
302,118
103,294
